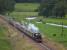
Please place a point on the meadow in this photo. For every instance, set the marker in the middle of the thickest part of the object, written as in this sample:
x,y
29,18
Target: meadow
x,y
28,9
4,43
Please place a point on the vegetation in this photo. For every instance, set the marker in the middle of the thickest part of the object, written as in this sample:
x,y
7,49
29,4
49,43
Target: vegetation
x,y
26,7
48,8
53,8
4,43
28,1
6,6
50,31
47,30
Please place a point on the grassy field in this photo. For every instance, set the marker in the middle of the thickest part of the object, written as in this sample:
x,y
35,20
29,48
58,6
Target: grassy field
x,y
47,30
56,21
22,15
4,43
26,7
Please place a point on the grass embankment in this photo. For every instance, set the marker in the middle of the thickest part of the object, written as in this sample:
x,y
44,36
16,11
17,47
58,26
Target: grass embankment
x,y
4,43
46,29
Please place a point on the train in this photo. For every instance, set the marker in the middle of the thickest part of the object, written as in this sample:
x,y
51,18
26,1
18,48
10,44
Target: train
x,y
28,29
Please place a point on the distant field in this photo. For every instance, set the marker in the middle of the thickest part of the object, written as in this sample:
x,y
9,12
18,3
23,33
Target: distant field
x,y
54,20
57,21
4,43
47,30
22,15
28,7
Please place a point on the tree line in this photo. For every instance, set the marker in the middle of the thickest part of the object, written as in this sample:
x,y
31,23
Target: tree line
x,y
22,1
6,6
53,8
48,8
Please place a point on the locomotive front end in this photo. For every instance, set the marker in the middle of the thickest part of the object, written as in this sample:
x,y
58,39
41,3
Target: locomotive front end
x,y
37,37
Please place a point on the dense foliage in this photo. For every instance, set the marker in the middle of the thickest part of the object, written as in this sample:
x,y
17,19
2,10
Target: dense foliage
x,y
53,8
28,1
6,6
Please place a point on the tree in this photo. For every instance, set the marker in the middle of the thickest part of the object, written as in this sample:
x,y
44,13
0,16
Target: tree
x,y
6,6
28,1
55,8
47,6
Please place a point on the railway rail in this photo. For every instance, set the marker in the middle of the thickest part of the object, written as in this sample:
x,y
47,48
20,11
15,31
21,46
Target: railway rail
x,y
42,44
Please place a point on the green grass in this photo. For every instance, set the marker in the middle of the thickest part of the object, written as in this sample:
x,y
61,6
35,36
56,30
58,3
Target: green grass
x,y
2,32
47,30
4,43
26,7
22,15
57,21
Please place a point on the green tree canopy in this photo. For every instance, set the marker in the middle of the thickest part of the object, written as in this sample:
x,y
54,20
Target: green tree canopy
x,y
32,1
55,8
6,6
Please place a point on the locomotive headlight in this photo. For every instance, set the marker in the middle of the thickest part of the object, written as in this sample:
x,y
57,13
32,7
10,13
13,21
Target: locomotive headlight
x,y
36,34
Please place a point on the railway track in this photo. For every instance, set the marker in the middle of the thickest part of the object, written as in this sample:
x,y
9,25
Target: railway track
x,y
42,45
45,46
